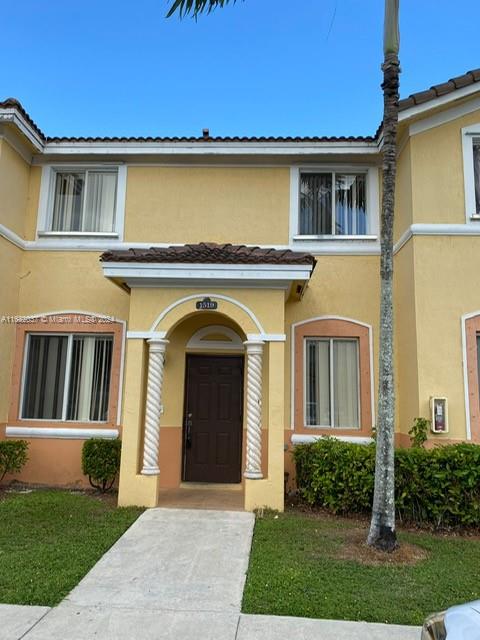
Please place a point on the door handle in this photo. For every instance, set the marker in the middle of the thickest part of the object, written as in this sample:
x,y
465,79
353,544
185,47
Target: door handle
x,y
188,430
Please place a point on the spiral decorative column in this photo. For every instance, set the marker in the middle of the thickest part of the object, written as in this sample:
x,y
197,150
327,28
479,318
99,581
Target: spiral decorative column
x,y
254,409
153,410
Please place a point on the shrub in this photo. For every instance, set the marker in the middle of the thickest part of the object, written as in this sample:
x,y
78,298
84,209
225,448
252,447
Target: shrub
x,y
439,487
336,475
13,456
101,462
418,432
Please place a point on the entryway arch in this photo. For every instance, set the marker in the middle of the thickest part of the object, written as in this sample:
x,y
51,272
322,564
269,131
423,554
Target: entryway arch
x,y
228,306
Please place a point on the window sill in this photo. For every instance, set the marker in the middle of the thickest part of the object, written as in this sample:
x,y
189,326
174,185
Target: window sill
x,y
78,234
66,423
63,433
315,427
475,217
301,438
313,238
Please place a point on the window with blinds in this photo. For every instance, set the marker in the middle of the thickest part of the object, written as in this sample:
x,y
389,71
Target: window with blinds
x,y
332,389
333,203
67,377
476,173
84,201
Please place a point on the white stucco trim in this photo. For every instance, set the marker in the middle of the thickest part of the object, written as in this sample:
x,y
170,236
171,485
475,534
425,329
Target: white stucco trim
x,y
464,318
146,335
472,228
418,109
437,119
97,243
190,274
292,361
300,438
12,237
209,148
266,337
196,296
63,433
11,115
197,343
429,229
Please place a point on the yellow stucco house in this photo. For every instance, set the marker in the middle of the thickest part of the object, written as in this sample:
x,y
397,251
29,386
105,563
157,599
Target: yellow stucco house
x,y
215,301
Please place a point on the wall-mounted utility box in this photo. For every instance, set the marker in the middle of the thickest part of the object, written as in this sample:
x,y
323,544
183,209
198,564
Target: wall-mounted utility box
x,y
439,414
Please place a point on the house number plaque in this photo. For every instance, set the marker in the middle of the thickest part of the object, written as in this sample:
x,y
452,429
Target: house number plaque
x,y
206,304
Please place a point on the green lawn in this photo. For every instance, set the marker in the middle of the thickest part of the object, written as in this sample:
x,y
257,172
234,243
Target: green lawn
x,y
50,539
295,570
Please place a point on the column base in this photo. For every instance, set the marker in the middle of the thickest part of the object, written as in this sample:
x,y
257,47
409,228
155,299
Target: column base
x,y
150,471
253,475
138,490
263,493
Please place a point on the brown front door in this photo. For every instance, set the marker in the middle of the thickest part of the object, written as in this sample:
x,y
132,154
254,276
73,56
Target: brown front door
x,y
212,434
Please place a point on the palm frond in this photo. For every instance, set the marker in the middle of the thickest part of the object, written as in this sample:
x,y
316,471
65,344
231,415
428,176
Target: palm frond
x,y
195,7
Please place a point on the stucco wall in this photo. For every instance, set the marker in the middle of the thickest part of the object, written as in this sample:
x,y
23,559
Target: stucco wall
x,y
403,191
406,355
446,283
327,295
14,171
11,271
14,180
214,204
437,172
59,281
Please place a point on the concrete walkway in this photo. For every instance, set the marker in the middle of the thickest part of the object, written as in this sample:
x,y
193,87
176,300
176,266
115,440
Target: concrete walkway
x,y
177,574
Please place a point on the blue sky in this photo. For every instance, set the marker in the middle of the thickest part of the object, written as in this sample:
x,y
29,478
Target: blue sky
x,y
260,67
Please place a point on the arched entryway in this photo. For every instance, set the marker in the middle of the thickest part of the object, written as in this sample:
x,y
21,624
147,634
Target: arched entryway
x,y
213,406
208,350
186,337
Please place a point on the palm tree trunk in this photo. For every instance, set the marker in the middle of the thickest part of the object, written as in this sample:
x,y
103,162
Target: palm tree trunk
x,y
382,528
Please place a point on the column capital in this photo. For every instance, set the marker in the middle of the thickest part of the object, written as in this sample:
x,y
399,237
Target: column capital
x,y
254,346
157,345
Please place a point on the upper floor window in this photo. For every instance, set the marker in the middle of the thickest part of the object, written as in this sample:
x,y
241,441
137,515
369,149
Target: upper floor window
x,y
335,209
476,174
333,203
84,201
471,172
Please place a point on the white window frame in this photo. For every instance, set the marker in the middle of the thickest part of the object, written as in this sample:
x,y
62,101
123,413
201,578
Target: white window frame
x,y
47,198
337,243
330,340
68,360
470,136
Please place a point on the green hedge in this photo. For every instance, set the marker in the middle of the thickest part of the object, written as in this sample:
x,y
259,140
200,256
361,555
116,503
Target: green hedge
x,y
439,486
101,462
13,456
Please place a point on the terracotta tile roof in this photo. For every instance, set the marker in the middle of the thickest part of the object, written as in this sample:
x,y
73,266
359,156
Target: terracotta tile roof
x,y
210,253
438,90
13,103
253,139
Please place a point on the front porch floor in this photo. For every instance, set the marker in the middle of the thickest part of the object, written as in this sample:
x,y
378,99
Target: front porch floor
x,y
198,497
